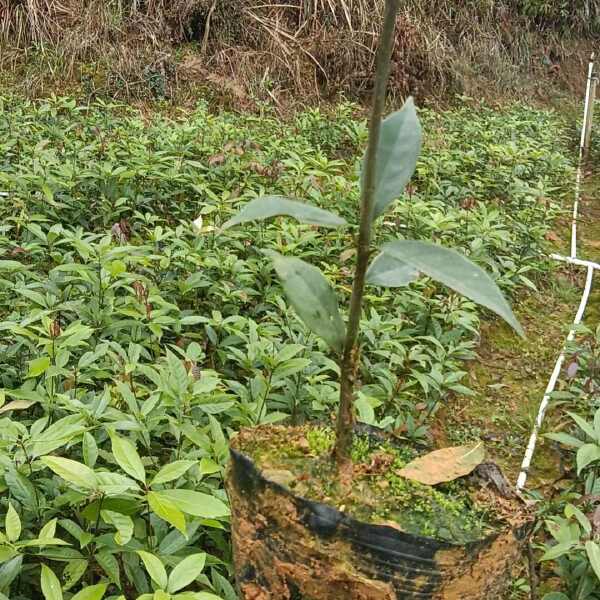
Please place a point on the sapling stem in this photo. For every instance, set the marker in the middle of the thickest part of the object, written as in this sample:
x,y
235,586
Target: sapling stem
x,y
349,361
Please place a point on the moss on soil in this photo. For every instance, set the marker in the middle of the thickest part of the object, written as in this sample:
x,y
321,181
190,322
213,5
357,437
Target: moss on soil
x,y
300,459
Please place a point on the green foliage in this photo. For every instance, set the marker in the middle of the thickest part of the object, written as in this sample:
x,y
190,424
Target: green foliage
x,y
571,520
133,345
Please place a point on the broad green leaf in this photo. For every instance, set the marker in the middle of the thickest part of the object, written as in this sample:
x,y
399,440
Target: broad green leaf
x,y
123,524
172,471
161,595
110,565
155,568
266,207
386,271
565,439
586,427
73,572
58,434
48,531
195,503
593,552
38,366
397,153
21,488
91,592
9,570
127,457
587,454
558,550
12,524
455,271
572,511
555,596
185,572
89,449
72,471
167,510
312,297
50,584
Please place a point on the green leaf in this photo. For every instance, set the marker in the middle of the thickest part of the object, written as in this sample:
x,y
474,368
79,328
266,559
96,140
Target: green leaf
x,y
195,503
167,510
9,570
565,439
38,366
584,426
155,568
572,511
72,471
91,592
587,454
127,457
266,207
89,449
12,524
123,524
312,297
186,571
455,271
555,596
73,572
386,271
172,471
50,584
593,552
110,565
558,550
48,531
397,153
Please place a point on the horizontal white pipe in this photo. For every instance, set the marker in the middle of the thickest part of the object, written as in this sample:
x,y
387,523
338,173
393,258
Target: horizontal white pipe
x,y
576,261
552,383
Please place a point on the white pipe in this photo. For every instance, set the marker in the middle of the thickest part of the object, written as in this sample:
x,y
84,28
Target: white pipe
x,y
576,210
576,261
588,93
552,383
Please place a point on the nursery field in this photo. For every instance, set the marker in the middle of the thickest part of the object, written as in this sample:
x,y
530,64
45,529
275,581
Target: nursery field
x,y
138,337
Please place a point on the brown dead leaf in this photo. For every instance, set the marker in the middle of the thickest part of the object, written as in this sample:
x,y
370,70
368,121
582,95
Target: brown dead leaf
x,y
444,465
347,254
551,236
16,405
216,160
280,476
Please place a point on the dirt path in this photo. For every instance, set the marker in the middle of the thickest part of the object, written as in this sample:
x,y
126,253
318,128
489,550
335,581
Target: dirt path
x,y
511,376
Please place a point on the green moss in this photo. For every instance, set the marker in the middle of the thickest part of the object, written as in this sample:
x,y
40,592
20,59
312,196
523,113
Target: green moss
x,y
302,457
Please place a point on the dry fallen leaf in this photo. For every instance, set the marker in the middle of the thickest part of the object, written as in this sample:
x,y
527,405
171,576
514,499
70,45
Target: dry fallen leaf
x,y
16,405
444,465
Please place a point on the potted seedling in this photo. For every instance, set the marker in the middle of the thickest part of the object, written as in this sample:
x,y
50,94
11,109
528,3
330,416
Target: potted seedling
x,y
339,512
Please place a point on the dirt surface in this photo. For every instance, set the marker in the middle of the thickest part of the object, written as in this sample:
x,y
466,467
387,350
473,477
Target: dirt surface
x,y
511,376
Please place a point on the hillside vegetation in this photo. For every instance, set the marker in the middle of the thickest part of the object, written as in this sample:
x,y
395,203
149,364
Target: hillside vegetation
x,y
242,51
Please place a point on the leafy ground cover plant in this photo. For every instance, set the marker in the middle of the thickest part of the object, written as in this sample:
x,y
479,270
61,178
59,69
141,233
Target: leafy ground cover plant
x,y
121,321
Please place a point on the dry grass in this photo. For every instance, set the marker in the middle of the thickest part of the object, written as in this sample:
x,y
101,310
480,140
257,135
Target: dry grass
x,y
249,49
